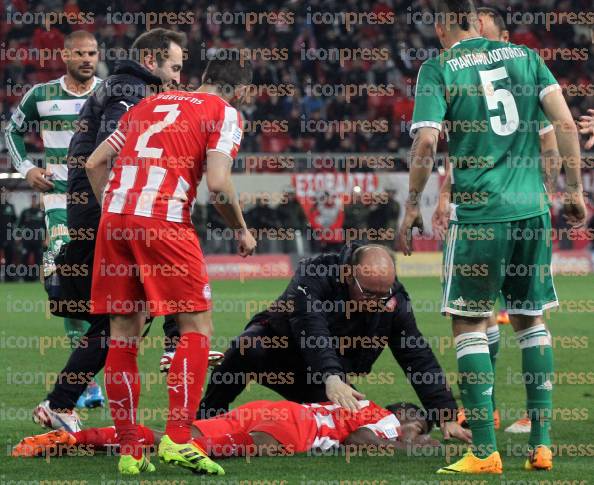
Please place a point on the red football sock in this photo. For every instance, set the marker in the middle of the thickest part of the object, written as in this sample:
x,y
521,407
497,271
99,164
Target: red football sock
x,y
122,384
227,445
98,438
101,438
147,435
184,381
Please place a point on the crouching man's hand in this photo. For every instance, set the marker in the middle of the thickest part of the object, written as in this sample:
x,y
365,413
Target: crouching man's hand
x,y
451,429
341,393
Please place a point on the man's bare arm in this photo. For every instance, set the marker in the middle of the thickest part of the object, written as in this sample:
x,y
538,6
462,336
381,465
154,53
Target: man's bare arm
x,y
422,157
222,190
97,168
551,162
566,132
223,197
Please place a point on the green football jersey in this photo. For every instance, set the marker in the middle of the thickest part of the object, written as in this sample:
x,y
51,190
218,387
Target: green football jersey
x,y
51,110
486,96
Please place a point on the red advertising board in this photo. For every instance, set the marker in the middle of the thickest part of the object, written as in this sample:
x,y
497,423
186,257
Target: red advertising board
x,y
259,266
572,263
323,196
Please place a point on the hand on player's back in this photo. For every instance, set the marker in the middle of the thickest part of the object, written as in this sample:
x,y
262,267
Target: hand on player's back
x,y
36,177
341,393
246,243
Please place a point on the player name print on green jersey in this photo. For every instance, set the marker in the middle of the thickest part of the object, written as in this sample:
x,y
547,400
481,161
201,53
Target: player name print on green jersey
x,y
484,58
485,96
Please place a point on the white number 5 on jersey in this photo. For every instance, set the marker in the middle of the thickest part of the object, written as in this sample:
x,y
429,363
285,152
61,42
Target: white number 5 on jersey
x,y
503,96
141,147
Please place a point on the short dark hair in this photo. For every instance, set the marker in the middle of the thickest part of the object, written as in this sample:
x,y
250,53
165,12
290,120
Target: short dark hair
x,y
157,42
455,12
77,34
410,412
408,409
495,15
228,68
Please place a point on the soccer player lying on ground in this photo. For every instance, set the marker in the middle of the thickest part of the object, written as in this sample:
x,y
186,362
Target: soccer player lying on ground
x,y
163,146
267,428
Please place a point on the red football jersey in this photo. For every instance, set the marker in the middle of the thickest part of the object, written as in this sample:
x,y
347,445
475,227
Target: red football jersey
x,y
335,423
162,144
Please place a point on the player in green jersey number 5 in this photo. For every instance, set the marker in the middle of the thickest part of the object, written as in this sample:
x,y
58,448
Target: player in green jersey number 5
x,y
486,96
51,109
491,25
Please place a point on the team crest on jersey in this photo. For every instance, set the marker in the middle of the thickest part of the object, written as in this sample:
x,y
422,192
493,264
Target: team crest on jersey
x,y
206,292
391,304
77,107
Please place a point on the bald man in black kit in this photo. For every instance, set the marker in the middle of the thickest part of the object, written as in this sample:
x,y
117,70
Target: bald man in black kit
x,y
339,311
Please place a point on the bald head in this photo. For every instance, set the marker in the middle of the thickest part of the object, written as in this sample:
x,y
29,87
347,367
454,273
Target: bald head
x,y
373,271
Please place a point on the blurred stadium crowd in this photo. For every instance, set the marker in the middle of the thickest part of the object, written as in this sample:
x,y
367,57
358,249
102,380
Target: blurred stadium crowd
x,y
294,45
281,229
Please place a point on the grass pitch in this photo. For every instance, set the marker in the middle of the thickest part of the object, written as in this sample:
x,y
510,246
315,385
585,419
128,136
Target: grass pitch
x,y
27,365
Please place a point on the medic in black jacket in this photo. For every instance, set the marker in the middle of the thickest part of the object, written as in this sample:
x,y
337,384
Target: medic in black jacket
x,y
99,117
339,311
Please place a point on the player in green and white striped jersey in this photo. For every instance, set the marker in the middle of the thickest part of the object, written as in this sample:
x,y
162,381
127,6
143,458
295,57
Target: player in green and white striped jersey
x,y
52,110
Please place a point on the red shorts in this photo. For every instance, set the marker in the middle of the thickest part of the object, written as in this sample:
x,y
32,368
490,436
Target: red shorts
x,y
289,423
150,265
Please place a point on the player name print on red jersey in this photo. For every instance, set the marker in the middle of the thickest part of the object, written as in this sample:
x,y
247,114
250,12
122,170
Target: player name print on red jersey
x,y
162,144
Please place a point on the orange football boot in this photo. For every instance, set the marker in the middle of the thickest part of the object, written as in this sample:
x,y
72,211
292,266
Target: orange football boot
x,y
540,458
36,445
472,465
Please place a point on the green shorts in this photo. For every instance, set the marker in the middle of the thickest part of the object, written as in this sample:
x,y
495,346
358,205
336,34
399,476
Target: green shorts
x,y
57,231
514,258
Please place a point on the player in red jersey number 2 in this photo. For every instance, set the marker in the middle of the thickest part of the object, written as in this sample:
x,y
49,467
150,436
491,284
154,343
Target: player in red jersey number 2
x,y
148,259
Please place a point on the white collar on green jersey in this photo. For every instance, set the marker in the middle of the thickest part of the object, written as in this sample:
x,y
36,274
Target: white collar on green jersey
x,y
96,80
464,40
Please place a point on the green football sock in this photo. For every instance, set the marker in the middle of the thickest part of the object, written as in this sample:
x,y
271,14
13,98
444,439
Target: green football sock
x,y
537,368
493,338
475,378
